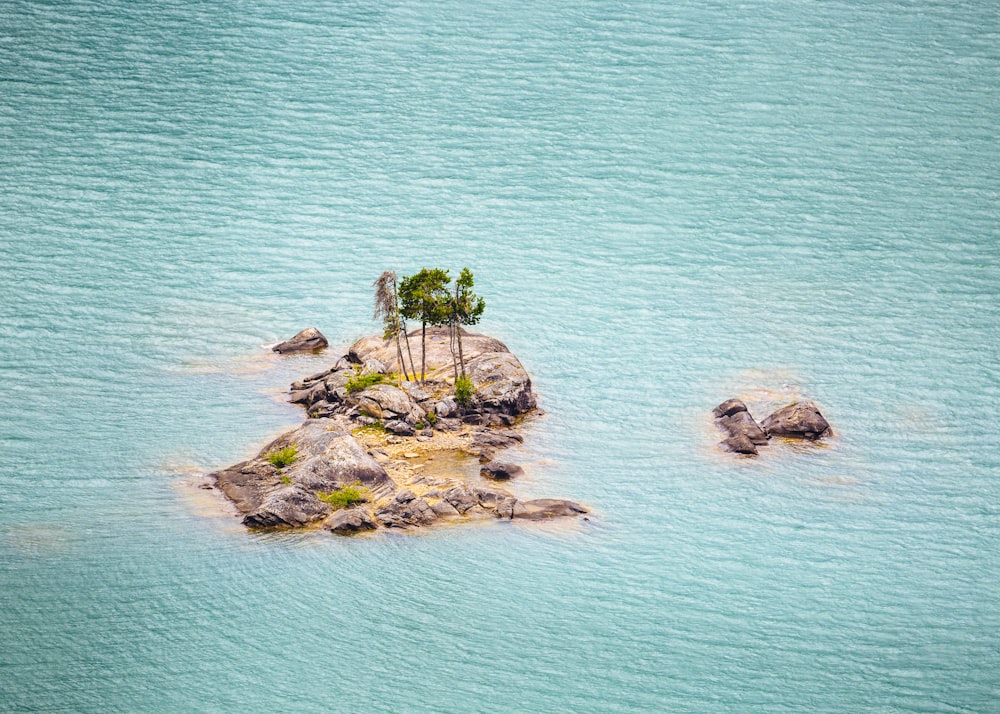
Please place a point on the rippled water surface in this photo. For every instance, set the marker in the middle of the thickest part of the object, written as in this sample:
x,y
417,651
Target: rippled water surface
x,y
665,205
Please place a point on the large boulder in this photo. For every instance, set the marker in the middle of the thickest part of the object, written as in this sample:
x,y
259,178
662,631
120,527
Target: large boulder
x,y
801,420
308,340
742,424
501,383
439,356
327,457
386,402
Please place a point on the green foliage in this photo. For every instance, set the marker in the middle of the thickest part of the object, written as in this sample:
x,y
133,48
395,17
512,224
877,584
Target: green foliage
x,y
419,425
432,418
467,307
344,496
283,457
464,391
362,381
424,296
286,479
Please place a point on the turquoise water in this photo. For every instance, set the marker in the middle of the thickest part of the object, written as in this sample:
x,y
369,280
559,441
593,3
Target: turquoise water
x,y
665,205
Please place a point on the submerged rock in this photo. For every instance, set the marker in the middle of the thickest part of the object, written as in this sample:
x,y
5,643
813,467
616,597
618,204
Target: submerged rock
x,y
544,508
500,471
308,340
801,420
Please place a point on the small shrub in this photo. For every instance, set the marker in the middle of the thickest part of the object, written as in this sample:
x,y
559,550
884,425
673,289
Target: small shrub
x,y
344,496
362,381
283,457
464,391
431,418
286,479
419,425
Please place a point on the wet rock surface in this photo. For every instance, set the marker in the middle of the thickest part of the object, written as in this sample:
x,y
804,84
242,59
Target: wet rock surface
x,y
309,340
743,434
373,432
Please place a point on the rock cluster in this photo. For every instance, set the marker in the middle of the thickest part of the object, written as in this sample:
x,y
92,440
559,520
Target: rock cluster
x,y
743,434
407,420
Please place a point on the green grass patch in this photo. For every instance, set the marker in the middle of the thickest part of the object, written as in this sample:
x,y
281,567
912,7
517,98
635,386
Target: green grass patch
x,y
286,479
362,381
464,391
283,457
344,496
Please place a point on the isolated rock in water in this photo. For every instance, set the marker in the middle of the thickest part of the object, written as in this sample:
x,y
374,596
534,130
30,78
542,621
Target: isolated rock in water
x,y
306,341
801,419
728,408
500,471
543,508
742,424
353,520
502,384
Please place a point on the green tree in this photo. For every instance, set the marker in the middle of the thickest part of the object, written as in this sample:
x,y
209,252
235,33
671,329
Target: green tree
x,y
465,309
425,297
387,310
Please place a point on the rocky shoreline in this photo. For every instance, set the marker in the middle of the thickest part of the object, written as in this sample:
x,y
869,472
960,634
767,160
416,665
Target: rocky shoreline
x,y
379,452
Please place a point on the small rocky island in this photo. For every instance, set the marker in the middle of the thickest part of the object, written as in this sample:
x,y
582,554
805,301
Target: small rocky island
x,y
379,451
798,420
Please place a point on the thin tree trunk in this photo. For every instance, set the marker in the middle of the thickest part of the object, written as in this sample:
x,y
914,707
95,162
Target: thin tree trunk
x,y
451,346
406,336
399,356
423,352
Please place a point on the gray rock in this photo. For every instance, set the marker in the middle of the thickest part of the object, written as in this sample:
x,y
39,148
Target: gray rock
x,y
502,384
384,401
544,508
728,408
328,458
443,509
448,425
447,407
439,358
310,395
286,507
399,428
460,498
739,444
743,424
350,520
801,419
500,471
402,514
374,366
308,340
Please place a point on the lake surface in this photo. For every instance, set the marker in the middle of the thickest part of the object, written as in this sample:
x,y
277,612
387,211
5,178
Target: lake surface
x,y
664,204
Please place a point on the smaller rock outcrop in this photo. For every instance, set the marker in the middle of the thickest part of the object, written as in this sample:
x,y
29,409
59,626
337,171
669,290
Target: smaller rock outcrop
x,y
801,420
743,433
541,509
308,340
352,520
500,471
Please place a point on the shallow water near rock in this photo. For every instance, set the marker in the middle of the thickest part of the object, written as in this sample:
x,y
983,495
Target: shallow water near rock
x,y
665,205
